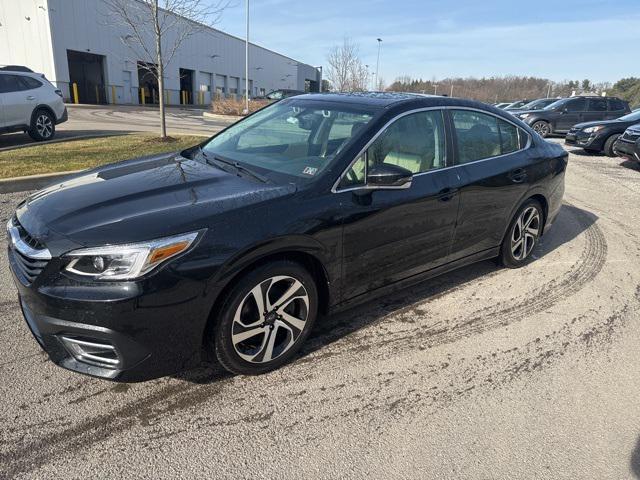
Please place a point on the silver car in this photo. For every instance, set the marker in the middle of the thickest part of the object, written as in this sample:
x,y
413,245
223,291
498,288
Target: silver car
x,y
30,103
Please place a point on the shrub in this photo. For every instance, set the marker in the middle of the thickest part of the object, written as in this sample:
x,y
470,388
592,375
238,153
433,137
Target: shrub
x,y
232,106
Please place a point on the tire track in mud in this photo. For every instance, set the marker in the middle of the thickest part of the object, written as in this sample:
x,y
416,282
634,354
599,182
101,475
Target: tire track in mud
x,y
173,398
589,264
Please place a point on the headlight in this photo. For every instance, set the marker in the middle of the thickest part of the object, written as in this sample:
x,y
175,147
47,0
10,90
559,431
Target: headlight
x,y
126,262
524,115
593,129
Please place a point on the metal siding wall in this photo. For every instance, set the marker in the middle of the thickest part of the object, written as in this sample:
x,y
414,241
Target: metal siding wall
x,y
84,25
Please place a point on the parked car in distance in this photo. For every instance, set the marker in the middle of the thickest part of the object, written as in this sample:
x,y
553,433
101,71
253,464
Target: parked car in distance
x,y
29,103
562,115
628,145
535,105
601,136
312,204
516,105
503,105
280,94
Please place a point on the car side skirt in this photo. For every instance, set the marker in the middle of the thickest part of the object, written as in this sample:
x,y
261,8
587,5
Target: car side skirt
x,y
416,279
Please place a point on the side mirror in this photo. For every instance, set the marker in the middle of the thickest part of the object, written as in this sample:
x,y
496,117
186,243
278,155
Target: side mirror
x,y
389,176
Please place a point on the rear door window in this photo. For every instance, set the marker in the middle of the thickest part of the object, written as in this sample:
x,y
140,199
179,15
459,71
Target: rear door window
x,y
29,83
598,105
10,83
480,136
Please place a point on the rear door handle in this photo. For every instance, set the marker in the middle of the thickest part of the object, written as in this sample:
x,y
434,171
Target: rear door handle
x,y
31,97
447,194
518,175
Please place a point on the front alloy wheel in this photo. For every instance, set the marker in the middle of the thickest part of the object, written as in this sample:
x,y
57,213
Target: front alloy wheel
x,y
542,128
270,319
266,318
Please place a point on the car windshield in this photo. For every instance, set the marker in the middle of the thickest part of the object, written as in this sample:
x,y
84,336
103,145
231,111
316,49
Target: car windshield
x,y
540,103
297,138
631,117
555,104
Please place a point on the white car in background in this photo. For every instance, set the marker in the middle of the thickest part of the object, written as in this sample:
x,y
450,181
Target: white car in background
x,y
29,103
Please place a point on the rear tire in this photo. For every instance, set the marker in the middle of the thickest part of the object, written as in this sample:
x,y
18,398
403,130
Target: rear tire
x,y
522,235
608,145
265,318
43,126
542,128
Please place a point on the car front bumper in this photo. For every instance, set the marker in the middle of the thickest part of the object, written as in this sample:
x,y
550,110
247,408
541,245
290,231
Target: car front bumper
x,y
583,140
625,149
129,331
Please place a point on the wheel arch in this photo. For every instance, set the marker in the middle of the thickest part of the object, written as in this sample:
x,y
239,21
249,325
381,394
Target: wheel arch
x,y
535,194
39,107
309,258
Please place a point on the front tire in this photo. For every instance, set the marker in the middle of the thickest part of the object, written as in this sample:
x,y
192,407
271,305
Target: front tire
x,y
608,145
265,319
43,126
522,236
542,128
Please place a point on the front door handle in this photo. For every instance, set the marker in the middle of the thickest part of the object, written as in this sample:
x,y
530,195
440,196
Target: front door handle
x,y
518,175
447,194
31,97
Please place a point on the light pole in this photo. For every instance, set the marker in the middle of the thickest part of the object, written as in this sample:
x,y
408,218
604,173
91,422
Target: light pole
x,y
320,82
451,94
435,88
375,87
246,66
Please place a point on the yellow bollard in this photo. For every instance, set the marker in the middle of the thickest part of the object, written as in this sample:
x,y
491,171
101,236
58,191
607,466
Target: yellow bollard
x,y
143,96
76,97
113,94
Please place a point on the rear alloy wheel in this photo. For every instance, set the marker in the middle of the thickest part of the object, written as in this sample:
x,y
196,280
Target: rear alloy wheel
x,y
266,319
522,236
608,145
42,127
542,128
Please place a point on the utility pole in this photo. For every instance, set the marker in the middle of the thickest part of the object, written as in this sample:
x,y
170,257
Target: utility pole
x,y
549,91
451,94
435,88
246,65
375,87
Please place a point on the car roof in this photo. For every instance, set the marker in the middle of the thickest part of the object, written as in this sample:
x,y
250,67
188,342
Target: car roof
x,y
388,99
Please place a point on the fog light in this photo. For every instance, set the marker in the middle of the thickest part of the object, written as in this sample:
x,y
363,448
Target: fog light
x,y
92,352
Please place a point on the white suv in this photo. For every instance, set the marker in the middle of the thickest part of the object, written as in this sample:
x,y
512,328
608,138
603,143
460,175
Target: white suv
x,y
29,103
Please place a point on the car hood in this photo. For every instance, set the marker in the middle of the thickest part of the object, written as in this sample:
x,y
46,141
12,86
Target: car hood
x,y
606,123
139,200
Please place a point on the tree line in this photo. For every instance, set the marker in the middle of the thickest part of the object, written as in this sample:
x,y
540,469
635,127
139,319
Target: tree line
x,y
511,88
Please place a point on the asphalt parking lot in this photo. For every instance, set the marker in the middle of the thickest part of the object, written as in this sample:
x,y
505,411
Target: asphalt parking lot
x,y
483,373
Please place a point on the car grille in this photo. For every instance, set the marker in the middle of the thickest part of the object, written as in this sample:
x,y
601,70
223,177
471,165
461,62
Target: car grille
x,y
631,135
29,256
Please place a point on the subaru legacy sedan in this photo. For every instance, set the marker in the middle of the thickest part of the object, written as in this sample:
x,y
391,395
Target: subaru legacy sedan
x,y
233,248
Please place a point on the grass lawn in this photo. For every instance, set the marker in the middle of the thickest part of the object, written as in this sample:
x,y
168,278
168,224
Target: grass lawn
x,y
81,154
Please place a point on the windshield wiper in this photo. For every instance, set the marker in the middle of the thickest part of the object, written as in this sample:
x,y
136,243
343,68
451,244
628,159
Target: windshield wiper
x,y
216,160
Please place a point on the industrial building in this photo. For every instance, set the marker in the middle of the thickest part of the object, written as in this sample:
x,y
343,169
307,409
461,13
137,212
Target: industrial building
x,y
77,42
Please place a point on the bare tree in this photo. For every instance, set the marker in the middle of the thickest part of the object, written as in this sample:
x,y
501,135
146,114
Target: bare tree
x,y
347,72
154,30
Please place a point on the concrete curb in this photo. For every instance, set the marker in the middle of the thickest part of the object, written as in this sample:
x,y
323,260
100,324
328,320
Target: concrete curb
x,y
216,116
61,140
32,182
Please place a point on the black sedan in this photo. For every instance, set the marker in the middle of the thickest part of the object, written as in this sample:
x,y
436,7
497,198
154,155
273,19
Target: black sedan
x,y
233,247
601,136
628,145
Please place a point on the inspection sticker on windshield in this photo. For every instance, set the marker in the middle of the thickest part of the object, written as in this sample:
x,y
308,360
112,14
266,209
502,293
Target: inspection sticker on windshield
x,y
310,171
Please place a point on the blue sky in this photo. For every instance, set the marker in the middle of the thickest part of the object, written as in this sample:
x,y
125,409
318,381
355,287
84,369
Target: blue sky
x,y
561,39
